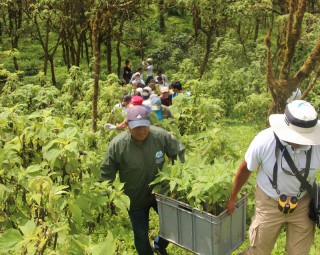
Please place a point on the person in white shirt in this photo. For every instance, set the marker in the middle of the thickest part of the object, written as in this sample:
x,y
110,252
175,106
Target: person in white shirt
x,y
295,133
162,77
149,69
146,99
123,104
138,76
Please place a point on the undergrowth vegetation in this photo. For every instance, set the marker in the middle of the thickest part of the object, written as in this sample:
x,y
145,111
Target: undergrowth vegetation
x,y
52,200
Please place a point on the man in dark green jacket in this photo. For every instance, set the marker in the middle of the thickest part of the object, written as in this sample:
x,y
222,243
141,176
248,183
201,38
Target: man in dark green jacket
x,y
138,154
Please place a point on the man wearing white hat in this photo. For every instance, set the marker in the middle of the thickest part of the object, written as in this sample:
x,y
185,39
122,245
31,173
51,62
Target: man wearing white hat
x,y
281,199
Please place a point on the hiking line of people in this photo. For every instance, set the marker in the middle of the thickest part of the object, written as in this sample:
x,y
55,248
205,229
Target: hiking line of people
x,y
288,149
155,94
138,153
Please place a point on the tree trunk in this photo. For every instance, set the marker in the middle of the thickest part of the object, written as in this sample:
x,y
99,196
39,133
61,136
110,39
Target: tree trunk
x,y
53,76
68,57
311,83
296,14
44,43
80,47
256,30
87,51
46,48
209,39
15,24
72,53
196,21
119,66
109,46
1,32
97,55
282,87
161,7
65,53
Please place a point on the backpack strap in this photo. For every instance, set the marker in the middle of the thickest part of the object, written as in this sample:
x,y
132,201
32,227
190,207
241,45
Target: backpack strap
x,y
274,181
303,179
305,185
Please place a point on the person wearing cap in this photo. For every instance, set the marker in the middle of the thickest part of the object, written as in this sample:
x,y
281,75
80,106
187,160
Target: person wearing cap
x,y
147,88
160,83
134,86
138,154
155,89
162,77
138,76
138,80
162,111
138,92
165,96
146,99
297,131
149,70
135,100
123,104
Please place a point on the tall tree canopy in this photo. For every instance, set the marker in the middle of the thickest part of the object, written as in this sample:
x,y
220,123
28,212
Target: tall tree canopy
x,y
287,80
99,35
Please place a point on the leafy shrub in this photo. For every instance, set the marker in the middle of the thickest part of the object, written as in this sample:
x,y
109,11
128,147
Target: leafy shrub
x,y
31,67
50,197
161,55
232,84
211,144
187,71
78,83
255,107
181,41
4,73
196,183
195,114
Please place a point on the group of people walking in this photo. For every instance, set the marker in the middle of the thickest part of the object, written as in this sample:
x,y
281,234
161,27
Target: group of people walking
x,y
147,66
293,136
155,94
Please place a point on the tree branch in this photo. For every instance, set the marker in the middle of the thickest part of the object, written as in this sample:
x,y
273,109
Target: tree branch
x,y
293,35
311,83
308,66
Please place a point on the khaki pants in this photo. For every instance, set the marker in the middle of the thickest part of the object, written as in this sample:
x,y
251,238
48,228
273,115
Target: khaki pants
x,y
267,224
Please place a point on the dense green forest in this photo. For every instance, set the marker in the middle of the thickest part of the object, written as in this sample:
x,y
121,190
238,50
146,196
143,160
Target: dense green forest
x,y
61,65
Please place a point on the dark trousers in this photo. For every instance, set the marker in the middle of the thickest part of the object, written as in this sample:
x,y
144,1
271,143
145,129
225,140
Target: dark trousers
x,y
140,226
148,80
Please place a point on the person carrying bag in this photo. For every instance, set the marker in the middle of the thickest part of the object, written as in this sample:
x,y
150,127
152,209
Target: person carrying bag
x,y
313,190
286,165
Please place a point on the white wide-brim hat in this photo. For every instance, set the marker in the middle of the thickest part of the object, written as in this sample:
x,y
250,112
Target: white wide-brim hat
x,y
299,124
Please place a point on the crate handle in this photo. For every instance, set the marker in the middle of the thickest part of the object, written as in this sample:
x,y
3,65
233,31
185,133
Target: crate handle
x,y
185,208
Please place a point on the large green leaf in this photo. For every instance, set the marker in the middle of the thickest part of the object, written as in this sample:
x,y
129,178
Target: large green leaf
x,y
107,247
68,133
121,205
33,169
52,154
4,188
11,240
72,147
76,213
28,229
